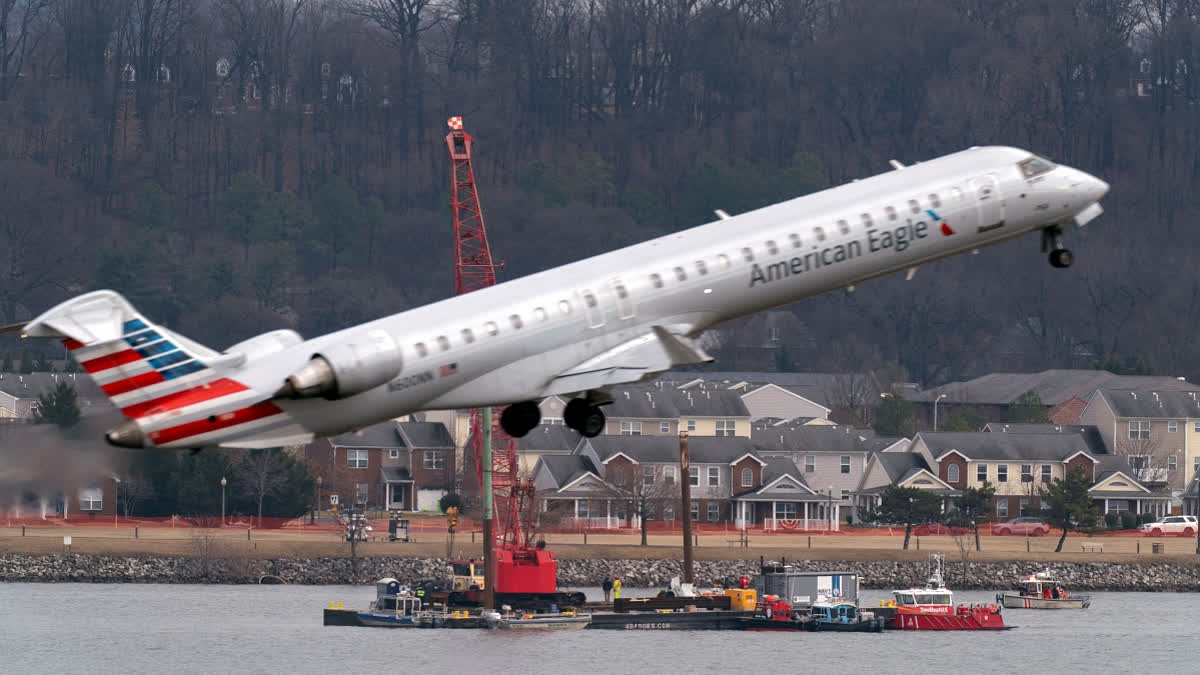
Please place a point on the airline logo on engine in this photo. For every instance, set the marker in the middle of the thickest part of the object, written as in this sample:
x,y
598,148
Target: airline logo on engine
x,y
408,381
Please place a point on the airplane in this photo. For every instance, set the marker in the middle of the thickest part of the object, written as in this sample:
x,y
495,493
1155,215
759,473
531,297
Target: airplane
x,y
574,331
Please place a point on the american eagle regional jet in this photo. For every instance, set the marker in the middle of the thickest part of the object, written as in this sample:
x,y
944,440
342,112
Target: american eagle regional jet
x,y
575,330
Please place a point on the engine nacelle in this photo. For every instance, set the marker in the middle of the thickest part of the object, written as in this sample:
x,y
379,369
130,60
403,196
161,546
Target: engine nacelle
x,y
346,369
266,344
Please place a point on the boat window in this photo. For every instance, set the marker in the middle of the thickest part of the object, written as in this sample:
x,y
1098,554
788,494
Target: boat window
x,y
443,343
904,599
421,350
680,274
701,268
656,279
934,200
467,336
913,206
772,249
866,220
491,328
795,240
565,307
891,212
843,226
462,570
1035,166
539,313
747,254
723,261
515,320
819,233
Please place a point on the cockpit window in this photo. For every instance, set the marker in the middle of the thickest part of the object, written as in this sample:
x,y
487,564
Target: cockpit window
x,y
1035,166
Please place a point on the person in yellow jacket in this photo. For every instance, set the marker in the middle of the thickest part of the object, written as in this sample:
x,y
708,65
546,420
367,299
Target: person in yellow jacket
x,y
616,589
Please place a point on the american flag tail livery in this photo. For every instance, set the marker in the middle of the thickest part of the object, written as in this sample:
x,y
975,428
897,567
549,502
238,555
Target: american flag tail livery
x,y
174,392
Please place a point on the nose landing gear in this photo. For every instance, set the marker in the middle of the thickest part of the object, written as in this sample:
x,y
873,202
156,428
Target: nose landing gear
x,y
1060,256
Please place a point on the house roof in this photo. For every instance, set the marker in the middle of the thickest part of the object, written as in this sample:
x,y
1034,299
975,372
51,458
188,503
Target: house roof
x,y
1090,433
842,439
665,449
901,465
395,474
1053,386
994,446
709,403
1152,403
641,403
425,434
1069,411
820,388
549,437
566,468
382,435
33,385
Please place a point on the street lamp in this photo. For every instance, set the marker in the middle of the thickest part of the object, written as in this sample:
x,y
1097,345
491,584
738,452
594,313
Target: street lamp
x,y
116,497
829,511
223,483
316,499
935,402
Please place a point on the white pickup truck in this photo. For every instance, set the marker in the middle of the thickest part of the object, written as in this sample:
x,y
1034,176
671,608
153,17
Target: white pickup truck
x,y
1181,525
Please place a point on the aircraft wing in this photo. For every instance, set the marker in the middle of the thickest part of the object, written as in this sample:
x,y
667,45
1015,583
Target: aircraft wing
x,y
642,357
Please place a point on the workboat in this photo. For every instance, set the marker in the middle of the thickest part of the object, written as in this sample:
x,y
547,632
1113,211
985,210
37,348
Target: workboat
x,y
933,608
825,614
563,621
1042,591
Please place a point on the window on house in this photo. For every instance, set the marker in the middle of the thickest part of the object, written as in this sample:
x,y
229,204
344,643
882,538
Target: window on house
x,y
1001,509
1046,473
726,427
695,511
866,220
1196,427
515,320
421,350
796,243
747,254
648,510
1026,473
443,342
819,233
91,498
714,476
694,476
360,492
934,200
564,306
845,463
491,328
1001,473
691,425
952,473
785,511
648,475
913,206
810,463
394,453
845,495
891,212
669,475
631,428
981,473
747,477
668,512
714,511
701,268
617,475
1139,430
1025,503
1172,426
581,509
772,249
435,459
664,427
1139,462
356,459
1171,462
1195,465
656,280
552,420
723,261
467,336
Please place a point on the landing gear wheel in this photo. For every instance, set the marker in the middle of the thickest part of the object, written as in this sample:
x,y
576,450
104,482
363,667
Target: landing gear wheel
x,y
584,417
1061,258
519,419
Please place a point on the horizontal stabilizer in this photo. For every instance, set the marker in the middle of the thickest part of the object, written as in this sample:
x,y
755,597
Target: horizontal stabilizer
x,y
631,361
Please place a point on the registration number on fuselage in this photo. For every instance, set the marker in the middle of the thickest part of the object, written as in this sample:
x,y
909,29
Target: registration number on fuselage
x,y
409,381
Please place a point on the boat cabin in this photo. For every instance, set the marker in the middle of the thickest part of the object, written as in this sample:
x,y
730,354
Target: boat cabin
x,y
468,575
923,596
392,598
1042,585
834,612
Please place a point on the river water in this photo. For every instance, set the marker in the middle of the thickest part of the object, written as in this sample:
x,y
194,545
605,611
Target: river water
x,y
151,628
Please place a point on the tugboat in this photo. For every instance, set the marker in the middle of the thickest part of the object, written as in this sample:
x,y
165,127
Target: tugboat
x,y
1042,591
933,608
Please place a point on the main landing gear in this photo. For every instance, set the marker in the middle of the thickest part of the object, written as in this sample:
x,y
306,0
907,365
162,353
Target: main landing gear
x,y
1060,256
584,416
519,419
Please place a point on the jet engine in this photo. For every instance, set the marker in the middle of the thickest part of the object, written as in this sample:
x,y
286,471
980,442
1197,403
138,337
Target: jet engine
x,y
346,369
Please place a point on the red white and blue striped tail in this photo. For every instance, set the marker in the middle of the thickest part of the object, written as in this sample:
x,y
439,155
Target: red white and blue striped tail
x,y
158,378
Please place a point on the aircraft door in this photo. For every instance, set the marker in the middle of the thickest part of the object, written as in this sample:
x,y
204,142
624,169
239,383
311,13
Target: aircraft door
x,y
621,298
591,305
989,203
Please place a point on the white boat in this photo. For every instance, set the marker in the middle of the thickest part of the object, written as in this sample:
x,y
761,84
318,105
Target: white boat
x,y
1042,591
565,621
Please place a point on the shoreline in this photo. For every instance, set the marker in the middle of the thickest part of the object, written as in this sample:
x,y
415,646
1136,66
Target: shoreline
x,y
1163,575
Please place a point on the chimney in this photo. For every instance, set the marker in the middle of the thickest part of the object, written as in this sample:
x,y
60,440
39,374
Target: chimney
x,y
626,396
1133,394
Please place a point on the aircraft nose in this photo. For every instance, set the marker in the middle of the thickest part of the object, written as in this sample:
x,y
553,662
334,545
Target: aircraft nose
x,y
1094,188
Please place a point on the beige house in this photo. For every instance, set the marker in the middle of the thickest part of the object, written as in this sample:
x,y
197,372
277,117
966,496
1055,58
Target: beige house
x,y
1157,432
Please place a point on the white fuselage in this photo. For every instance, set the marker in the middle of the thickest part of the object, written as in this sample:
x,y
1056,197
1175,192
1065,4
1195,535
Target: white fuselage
x,y
510,342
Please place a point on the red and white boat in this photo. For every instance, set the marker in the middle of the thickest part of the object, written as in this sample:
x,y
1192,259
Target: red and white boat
x,y
933,608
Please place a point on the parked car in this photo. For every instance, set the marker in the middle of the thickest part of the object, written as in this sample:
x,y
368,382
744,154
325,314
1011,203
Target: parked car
x,y
1025,526
1181,525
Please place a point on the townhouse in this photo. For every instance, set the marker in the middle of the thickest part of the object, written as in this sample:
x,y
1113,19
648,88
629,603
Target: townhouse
x,y
1158,432
901,467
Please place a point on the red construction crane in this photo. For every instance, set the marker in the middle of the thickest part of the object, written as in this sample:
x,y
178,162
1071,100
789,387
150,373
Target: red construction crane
x,y
521,571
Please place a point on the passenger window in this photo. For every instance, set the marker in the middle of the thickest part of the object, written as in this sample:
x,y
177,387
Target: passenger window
x,y
467,336
772,249
701,268
934,201
656,280
795,240
913,206
866,220
443,343
539,314
723,261
747,254
956,194
421,350
680,274
843,227
620,291
565,307
491,328
819,233
891,213
589,299
515,320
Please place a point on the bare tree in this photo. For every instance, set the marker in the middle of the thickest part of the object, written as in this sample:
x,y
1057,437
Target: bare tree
x,y
1146,463
21,28
647,493
133,489
263,472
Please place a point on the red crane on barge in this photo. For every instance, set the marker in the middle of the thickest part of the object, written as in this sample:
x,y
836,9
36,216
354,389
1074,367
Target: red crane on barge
x,y
515,570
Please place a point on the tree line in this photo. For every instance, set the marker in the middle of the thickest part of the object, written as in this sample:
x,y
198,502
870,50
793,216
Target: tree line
x,y
235,166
